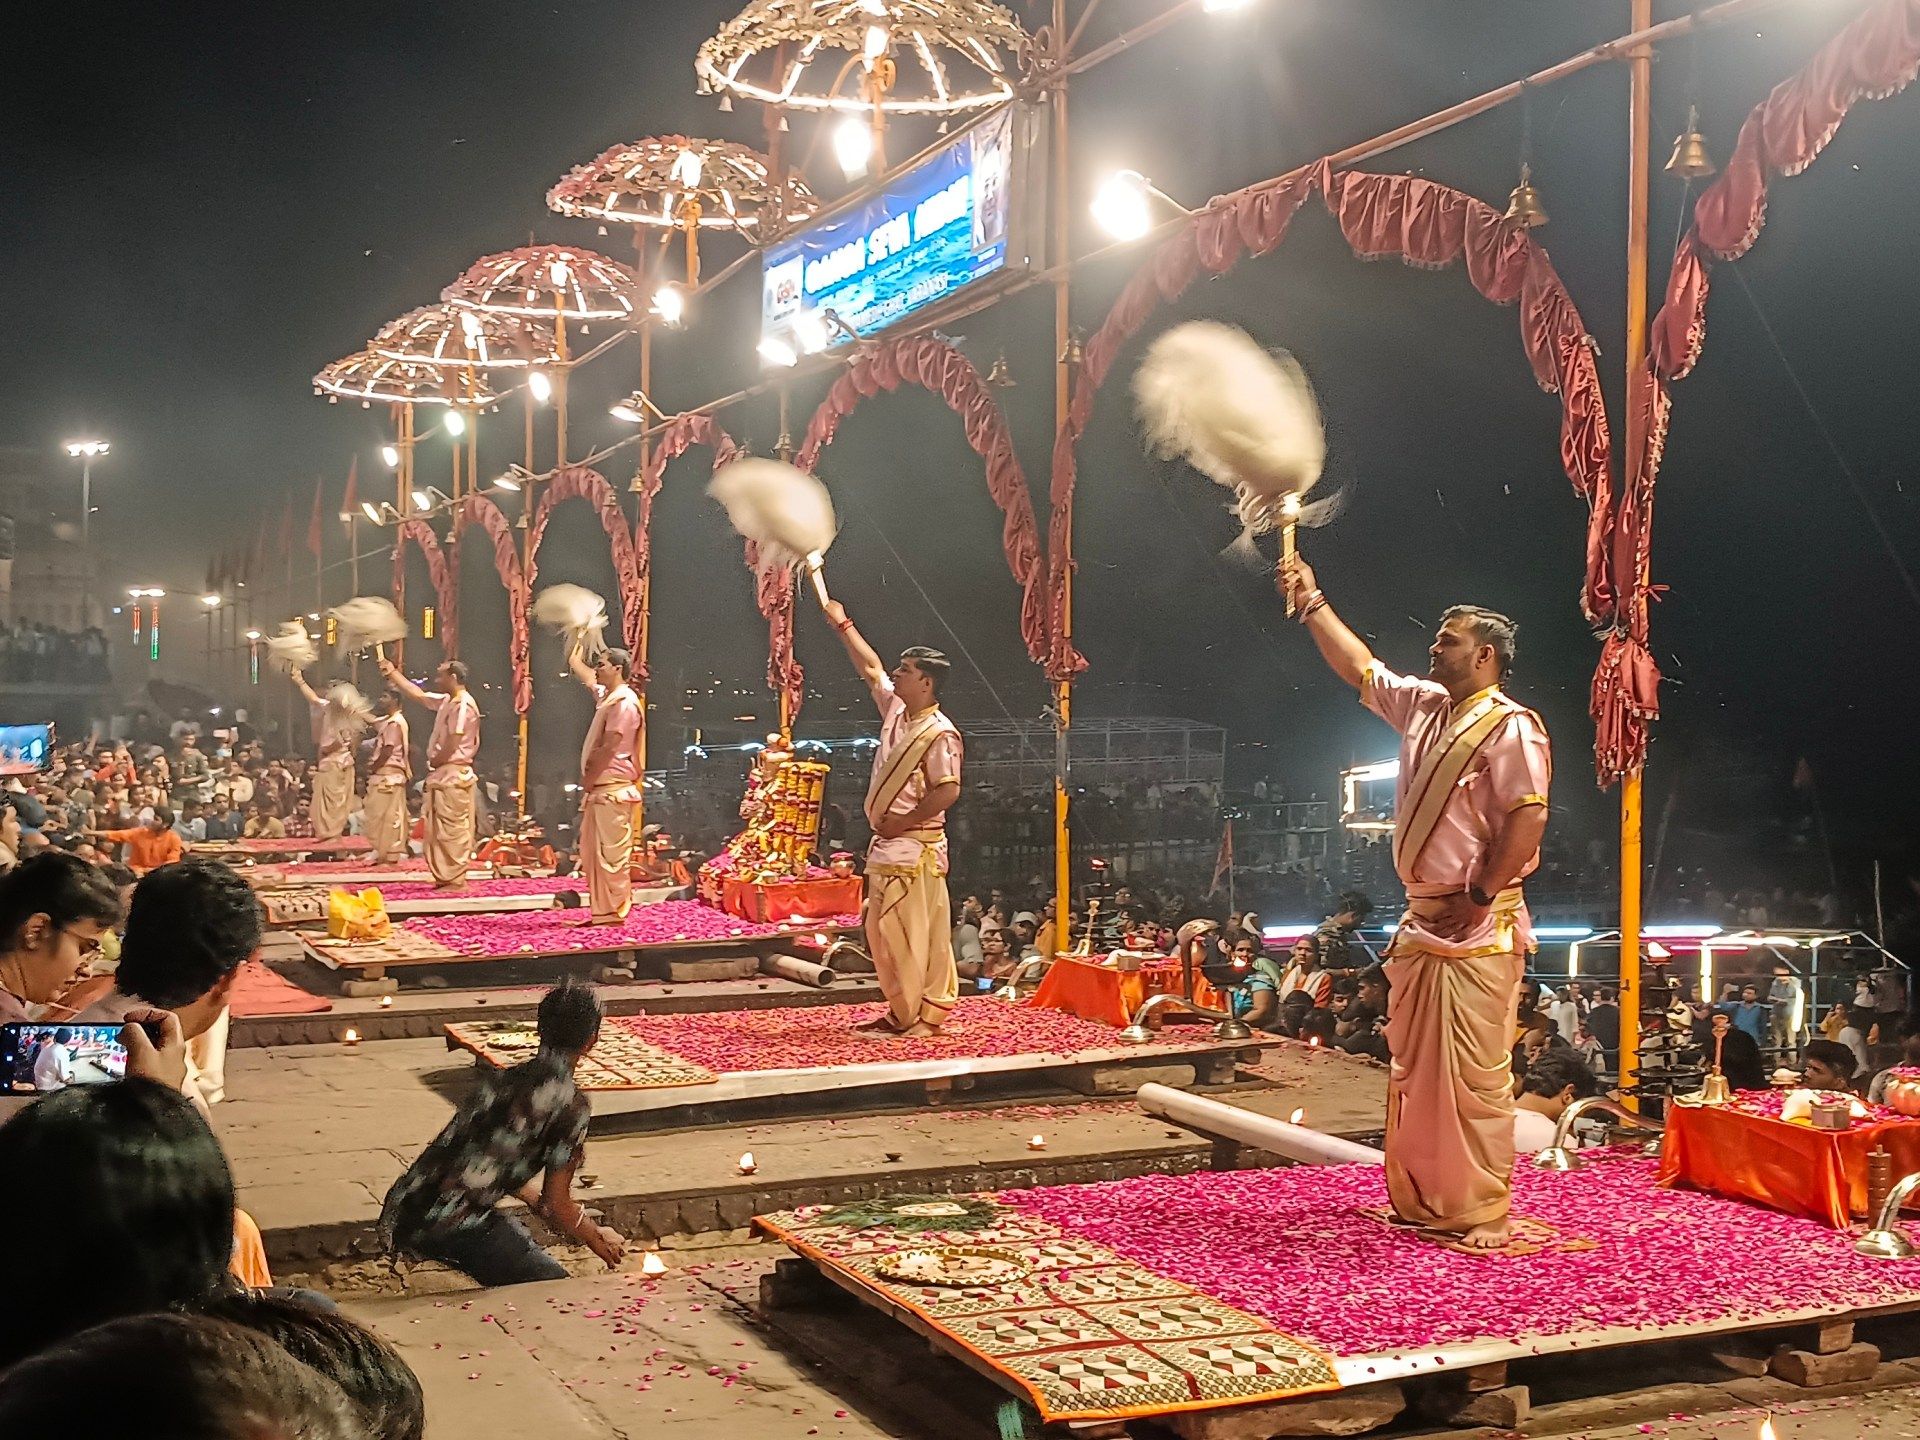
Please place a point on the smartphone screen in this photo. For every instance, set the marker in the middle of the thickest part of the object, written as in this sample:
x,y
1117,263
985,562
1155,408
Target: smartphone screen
x,y
37,1059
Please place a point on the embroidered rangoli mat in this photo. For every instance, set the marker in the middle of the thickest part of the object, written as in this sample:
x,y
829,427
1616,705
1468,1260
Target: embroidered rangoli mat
x,y
1085,1332
618,1060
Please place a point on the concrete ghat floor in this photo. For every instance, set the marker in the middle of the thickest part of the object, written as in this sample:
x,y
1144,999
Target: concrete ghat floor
x,y
316,1134
607,1357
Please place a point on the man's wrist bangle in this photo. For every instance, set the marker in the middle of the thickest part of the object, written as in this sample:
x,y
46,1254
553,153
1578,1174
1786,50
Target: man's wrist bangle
x,y
1315,602
844,626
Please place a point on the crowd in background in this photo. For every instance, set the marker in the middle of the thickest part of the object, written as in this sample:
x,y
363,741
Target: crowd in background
x,y
32,653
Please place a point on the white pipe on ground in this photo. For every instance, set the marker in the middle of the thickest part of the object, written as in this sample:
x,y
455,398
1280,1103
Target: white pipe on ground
x,y
1262,1132
792,967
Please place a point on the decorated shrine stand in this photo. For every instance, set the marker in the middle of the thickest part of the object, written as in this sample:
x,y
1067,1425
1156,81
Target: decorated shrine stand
x,y
1237,1304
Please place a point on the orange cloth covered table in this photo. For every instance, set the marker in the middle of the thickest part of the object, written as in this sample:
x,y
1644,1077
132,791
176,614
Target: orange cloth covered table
x,y
815,898
1093,991
1786,1166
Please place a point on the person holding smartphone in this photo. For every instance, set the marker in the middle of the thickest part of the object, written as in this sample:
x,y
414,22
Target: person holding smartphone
x,y
516,1127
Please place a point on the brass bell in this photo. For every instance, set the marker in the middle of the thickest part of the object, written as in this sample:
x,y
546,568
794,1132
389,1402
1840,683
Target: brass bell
x,y
1690,160
1523,205
999,375
1716,1091
1075,355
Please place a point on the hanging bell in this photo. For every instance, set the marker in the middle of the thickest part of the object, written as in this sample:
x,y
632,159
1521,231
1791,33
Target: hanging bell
x,y
783,122
1690,160
999,375
1523,205
1075,355
726,104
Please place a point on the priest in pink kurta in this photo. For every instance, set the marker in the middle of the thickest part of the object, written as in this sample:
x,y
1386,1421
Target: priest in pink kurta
x,y
916,779
389,772
1470,810
333,731
447,808
610,778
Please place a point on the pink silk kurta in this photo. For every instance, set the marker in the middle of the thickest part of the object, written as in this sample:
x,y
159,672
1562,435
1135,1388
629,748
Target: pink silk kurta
x,y
1451,1006
332,773
609,770
386,814
446,813
909,921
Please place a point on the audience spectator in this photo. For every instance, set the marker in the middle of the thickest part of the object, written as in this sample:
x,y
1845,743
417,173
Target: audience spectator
x,y
132,1180
193,1378
1554,1081
1828,1065
381,1385
515,1125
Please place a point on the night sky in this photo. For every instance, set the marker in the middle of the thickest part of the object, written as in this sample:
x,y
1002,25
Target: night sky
x,y
203,205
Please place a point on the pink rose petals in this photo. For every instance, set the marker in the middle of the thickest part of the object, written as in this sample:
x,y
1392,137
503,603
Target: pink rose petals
x,y
424,888
547,932
732,1041
1291,1246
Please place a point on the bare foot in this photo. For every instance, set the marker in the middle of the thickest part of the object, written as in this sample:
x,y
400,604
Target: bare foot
x,y
879,1024
920,1031
607,919
1493,1235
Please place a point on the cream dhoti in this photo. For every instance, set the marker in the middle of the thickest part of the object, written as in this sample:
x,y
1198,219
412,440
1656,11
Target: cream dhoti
x,y
386,818
909,925
446,816
1450,1091
332,797
606,848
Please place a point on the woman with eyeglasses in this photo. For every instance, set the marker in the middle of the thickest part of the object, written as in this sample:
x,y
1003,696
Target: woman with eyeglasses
x,y
54,909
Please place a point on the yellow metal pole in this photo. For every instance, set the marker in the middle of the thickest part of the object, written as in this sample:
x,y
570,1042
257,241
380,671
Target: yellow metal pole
x,y
1062,396
559,383
1639,161
645,269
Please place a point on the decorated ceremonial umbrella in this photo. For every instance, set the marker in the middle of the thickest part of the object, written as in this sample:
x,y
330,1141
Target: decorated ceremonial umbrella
x,y
674,182
368,376
557,282
466,342
913,57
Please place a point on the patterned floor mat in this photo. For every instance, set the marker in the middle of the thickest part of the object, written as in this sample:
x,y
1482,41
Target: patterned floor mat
x,y
619,1061
1088,1334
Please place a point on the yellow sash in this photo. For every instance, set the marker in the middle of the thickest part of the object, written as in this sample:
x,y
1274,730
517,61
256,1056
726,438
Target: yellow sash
x,y
1432,784
890,779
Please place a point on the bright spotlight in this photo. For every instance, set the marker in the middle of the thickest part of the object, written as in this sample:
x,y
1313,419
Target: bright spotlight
x,y
456,423
1123,206
391,455
539,386
853,146
778,353
670,305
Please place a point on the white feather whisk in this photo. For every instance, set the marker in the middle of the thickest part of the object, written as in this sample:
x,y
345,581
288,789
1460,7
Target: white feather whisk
x,y
367,620
352,712
783,510
1246,419
576,614
292,648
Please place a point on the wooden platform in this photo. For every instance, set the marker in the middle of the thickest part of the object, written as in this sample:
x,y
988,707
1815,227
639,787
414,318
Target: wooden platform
x,y
657,1064
289,907
407,950
1098,1317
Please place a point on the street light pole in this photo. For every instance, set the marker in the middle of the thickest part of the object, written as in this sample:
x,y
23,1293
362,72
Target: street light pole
x,y
84,451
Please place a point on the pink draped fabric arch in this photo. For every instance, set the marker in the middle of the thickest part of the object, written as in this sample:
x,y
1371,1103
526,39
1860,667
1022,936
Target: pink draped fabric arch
x,y
577,482
479,510
440,570
1425,224
1875,56
938,367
